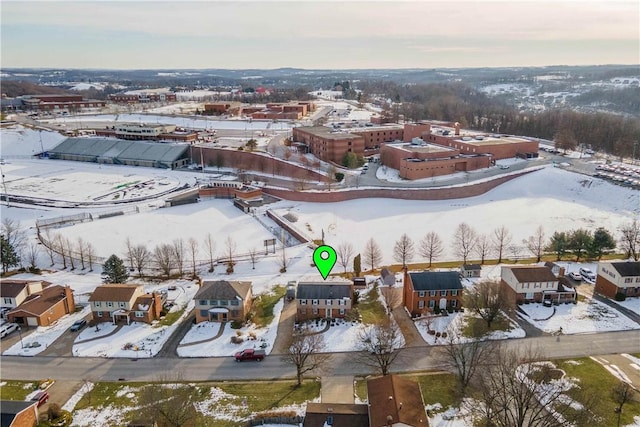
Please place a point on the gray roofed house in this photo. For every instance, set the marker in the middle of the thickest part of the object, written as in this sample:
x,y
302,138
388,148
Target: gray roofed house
x,y
222,300
471,270
323,300
435,280
431,290
627,269
117,151
618,280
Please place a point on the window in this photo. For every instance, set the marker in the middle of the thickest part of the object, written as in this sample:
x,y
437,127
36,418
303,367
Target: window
x,y
454,292
432,303
109,304
9,301
432,293
235,302
443,293
204,313
99,313
628,280
328,302
211,302
97,304
420,304
203,302
315,310
342,311
537,285
122,305
139,314
303,302
224,302
421,294
315,302
454,303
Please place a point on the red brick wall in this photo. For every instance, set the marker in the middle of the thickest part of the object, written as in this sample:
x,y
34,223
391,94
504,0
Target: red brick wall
x,y
431,168
393,193
415,131
307,313
373,137
609,289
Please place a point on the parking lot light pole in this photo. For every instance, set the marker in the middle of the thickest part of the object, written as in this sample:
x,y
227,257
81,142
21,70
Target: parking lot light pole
x,y
20,333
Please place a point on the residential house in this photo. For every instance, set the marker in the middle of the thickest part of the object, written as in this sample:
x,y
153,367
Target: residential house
x,y
430,289
388,277
336,414
14,292
395,401
535,284
618,277
18,413
323,300
470,270
555,268
45,307
124,303
222,301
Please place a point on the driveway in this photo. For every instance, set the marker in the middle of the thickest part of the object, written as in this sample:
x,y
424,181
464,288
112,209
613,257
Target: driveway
x,y
285,328
411,335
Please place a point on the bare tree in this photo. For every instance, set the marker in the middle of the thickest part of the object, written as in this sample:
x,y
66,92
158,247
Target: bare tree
x,y
464,358
514,392
14,234
630,239
305,354
169,402
61,248
431,247
178,255
253,256
230,249
622,394
536,243
464,241
164,256
380,346
345,252
210,244
141,258
69,248
32,255
483,247
515,251
488,300
501,241
372,253
91,255
129,252
81,251
50,245
403,250
193,251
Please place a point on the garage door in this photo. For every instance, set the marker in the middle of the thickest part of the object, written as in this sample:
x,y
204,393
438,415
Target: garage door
x,y
32,321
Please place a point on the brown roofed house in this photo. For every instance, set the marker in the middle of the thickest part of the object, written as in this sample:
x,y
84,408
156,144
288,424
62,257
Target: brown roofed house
x,y
395,401
535,284
13,292
336,415
116,302
222,301
45,307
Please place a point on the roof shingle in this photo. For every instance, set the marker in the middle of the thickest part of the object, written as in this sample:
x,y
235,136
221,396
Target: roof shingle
x,y
114,292
435,280
223,290
533,274
323,290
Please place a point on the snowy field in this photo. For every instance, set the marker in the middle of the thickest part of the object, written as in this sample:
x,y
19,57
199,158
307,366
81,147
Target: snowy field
x,y
21,141
262,338
583,317
556,199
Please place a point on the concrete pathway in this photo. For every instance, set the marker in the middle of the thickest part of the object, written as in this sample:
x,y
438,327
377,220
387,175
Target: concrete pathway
x,y
218,335
337,389
285,328
115,331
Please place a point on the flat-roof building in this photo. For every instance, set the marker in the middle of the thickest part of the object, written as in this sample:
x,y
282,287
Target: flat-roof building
x,y
327,144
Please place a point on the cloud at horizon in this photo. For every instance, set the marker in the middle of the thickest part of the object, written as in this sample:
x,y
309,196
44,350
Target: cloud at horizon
x,y
355,34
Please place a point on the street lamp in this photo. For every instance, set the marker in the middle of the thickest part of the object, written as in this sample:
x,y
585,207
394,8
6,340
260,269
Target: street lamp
x,y
20,333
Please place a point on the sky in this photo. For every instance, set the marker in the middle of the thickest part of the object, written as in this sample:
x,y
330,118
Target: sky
x,y
317,34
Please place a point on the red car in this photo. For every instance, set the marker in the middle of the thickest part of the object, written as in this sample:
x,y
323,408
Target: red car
x,y
41,397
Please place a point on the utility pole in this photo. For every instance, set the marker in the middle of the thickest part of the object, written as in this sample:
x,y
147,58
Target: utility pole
x,y
4,185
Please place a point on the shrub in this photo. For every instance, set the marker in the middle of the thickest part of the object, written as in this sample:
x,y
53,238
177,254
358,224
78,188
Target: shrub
x,y
432,332
339,176
236,324
438,334
620,296
444,335
450,309
436,310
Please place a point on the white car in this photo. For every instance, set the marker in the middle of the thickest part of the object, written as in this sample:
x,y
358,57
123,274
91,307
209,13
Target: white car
x,y
503,166
7,328
574,275
587,275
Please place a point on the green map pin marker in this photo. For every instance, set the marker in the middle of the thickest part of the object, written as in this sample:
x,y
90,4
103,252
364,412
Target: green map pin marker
x,y
324,257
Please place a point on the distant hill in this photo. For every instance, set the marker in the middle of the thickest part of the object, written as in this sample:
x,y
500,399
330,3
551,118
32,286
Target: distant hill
x,y
13,88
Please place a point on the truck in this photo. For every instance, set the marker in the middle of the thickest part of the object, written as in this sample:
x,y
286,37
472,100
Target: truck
x,y
250,354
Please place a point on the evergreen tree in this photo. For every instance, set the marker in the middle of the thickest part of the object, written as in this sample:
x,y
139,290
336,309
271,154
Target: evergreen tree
x,y
357,265
602,241
579,242
558,244
114,270
8,254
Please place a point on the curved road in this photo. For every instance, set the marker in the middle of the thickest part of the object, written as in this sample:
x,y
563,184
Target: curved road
x,y
273,367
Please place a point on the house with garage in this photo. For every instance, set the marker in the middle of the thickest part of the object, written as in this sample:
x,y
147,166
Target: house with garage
x,y
14,292
469,271
121,303
44,307
336,414
223,301
18,413
429,291
621,278
534,283
329,300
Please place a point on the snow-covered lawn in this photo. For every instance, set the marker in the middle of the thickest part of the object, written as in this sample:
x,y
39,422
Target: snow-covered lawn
x,y
453,325
137,339
632,304
45,335
583,317
222,346
21,141
342,336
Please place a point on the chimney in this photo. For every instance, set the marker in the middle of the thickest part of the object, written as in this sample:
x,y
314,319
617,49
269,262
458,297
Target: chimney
x,y
71,304
457,127
561,272
157,305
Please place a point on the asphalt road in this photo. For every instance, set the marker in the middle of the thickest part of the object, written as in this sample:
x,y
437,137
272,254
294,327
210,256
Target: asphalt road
x,y
273,367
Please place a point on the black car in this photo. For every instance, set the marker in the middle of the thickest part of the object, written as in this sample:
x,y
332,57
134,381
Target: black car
x,y
78,324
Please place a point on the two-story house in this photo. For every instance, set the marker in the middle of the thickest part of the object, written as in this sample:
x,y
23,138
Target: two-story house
x,y
222,301
44,307
323,300
426,290
618,277
14,292
535,284
117,303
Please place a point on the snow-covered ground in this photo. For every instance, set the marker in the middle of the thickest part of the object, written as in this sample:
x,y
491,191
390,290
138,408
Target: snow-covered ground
x,y
632,304
140,339
43,336
453,325
21,141
570,201
583,317
222,346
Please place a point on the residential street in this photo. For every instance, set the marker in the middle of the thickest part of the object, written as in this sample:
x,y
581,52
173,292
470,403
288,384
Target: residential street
x,y
273,367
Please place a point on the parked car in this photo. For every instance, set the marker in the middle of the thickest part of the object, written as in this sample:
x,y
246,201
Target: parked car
x,y
41,397
250,354
587,275
574,275
78,324
7,328
503,166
